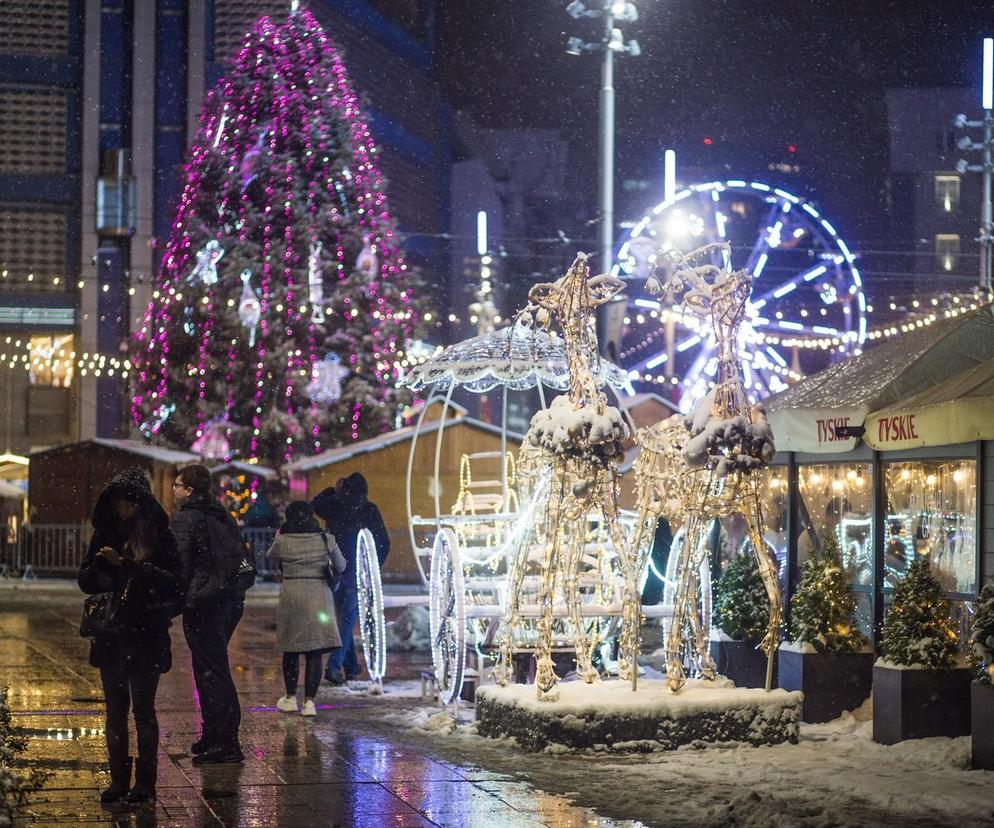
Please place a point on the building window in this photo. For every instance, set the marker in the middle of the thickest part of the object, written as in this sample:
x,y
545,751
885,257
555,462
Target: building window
x,y
51,360
932,510
946,250
947,192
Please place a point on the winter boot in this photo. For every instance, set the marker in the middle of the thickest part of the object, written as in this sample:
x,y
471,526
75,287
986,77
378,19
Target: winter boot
x,y
144,789
120,781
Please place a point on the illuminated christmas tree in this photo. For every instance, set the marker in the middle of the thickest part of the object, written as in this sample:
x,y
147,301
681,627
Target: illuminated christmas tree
x,y
741,605
282,305
918,629
823,612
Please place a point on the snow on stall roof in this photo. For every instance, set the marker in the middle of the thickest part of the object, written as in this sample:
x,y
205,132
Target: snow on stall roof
x,y
898,367
389,438
163,455
246,468
605,697
974,383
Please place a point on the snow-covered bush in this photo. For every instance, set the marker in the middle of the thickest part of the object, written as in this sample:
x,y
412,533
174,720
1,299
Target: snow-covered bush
x,y
741,605
918,629
823,612
982,635
15,785
411,630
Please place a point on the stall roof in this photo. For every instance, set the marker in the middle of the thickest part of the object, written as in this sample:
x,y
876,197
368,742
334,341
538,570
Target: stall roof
x,y
246,468
805,416
160,453
958,410
389,438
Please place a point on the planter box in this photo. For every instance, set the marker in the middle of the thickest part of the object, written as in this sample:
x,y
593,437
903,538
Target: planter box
x,y
982,724
831,682
915,704
742,662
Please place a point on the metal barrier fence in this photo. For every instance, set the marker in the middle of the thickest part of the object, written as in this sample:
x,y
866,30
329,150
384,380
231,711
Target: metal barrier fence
x,y
56,550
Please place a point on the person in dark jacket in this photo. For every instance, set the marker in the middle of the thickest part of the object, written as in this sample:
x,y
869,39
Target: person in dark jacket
x,y
209,617
132,554
346,510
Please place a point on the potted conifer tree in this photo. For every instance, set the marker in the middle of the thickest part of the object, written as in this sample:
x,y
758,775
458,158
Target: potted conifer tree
x,y
827,657
740,615
920,687
982,688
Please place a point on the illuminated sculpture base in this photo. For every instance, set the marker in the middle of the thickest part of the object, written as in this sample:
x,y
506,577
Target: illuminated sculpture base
x,y
609,716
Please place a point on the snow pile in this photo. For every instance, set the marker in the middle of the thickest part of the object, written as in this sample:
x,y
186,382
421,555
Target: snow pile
x,y
410,631
563,430
738,443
441,722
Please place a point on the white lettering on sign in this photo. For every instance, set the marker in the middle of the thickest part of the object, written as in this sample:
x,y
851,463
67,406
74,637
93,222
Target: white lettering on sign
x,y
826,429
902,427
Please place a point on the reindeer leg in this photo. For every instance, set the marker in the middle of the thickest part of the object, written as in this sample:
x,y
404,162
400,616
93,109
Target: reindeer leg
x,y
768,572
675,675
575,543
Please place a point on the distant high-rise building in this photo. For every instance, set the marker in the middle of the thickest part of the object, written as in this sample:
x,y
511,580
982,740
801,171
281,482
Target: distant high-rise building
x,y
935,211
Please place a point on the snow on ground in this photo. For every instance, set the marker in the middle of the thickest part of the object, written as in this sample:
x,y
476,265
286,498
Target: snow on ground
x,y
836,775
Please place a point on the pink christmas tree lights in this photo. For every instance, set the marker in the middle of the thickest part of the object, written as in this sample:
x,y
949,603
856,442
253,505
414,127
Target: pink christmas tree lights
x,y
281,254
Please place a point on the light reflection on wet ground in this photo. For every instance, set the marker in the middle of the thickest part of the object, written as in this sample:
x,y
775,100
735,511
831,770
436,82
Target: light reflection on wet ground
x,y
334,770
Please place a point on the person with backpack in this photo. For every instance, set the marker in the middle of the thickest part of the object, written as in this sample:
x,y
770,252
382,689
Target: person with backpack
x,y
346,510
305,623
131,571
217,570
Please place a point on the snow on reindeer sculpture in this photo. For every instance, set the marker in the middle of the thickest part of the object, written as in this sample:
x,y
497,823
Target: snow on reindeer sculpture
x,y
575,445
706,466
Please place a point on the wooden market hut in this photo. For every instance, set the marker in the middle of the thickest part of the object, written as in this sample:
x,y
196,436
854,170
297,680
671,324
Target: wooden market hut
x,y
383,461
893,451
65,481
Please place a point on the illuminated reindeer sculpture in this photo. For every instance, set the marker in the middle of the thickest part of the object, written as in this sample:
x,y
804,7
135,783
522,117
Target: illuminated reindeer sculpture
x,y
576,443
707,465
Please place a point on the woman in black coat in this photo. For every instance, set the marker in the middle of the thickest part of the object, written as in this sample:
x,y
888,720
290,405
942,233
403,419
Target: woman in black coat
x,y
133,555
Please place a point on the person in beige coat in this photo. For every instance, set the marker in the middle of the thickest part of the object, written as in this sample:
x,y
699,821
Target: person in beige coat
x,y
306,622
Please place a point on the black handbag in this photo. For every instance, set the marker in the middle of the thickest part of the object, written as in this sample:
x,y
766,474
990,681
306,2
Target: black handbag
x,y
100,613
332,576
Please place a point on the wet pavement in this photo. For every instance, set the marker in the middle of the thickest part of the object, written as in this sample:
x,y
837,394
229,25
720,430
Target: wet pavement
x,y
342,768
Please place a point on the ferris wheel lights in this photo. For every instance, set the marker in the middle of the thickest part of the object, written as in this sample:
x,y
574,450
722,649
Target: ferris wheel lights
x,y
781,291
828,227
758,186
811,211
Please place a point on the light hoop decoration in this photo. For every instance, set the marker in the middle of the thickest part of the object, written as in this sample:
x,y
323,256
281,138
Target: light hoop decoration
x,y
807,307
447,616
372,624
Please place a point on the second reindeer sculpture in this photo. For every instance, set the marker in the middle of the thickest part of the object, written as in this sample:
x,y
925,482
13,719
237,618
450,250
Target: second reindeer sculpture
x,y
707,465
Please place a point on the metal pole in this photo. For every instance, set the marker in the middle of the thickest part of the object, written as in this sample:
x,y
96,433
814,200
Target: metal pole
x,y
986,229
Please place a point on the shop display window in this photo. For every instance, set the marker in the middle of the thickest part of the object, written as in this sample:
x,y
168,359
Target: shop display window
x,y
932,510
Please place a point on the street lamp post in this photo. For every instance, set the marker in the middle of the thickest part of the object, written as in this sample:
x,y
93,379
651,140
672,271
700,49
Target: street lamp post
x,y
611,42
986,238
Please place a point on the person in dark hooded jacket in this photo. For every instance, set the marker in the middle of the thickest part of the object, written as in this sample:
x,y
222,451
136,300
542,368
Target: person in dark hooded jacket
x,y
346,510
132,554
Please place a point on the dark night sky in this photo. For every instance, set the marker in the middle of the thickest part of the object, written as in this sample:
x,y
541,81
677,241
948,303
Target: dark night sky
x,y
758,74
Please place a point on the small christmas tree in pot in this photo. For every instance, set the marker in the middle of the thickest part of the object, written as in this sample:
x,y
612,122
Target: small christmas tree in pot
x,y
982,688
920,686
741,613
828,658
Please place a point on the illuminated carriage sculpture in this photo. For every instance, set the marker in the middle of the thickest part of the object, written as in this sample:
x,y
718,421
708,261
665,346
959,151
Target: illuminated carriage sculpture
x,y
466,563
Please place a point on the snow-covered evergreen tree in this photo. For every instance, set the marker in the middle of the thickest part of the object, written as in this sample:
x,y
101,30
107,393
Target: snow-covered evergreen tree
x,y
918,629
982,634
741,605
823,611
282,305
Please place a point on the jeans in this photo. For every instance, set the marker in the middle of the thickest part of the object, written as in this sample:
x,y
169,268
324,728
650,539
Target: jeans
x,y
208,631
344,658
124,690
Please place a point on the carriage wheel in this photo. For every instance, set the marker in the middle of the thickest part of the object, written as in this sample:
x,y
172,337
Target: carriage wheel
x,y
372,623
447,616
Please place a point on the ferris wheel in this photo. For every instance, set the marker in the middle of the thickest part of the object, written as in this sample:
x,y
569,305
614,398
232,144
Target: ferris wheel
x,y
807,308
